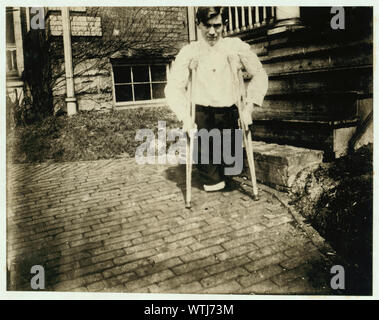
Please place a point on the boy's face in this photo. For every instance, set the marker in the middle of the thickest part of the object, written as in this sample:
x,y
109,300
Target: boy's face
x,y
212,30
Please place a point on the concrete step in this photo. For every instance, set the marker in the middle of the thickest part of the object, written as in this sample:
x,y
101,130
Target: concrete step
x,y
278,165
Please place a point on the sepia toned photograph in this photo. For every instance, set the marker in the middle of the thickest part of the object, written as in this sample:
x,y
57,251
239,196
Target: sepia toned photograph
x,y
189,150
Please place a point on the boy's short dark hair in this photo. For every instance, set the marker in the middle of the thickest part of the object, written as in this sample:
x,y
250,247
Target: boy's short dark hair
x,y
203,14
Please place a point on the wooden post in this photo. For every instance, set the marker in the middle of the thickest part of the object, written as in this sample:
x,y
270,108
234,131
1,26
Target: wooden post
x,y
272,14
250,18
287,15
192,34
230,20
264,15
257,22
243,22
18,40
66,24
27,19
237,20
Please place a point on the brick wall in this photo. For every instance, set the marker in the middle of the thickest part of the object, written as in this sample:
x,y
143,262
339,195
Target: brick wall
x,y
163,26
80,25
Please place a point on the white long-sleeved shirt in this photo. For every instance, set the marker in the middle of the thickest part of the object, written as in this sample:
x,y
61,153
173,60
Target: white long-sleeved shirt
x,y
214,84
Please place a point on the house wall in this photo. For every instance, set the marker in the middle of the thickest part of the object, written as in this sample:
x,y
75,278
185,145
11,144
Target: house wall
x,y
320,80
320,86
102,34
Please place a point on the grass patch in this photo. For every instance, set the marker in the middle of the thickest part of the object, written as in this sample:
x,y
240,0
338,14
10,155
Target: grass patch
x,y
88,135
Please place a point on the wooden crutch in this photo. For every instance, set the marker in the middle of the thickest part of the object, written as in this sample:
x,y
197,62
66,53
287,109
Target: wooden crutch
x,y
190,137
248,143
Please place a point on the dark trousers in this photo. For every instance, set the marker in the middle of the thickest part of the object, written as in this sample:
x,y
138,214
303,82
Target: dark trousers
x,y
215,118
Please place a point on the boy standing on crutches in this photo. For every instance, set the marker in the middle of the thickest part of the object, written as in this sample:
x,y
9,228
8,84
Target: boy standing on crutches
x,y
210,69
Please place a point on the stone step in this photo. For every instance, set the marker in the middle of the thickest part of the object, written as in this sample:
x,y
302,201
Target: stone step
x,y
278,165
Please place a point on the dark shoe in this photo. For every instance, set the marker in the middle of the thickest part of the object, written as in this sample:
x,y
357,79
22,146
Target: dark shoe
x,y
231,184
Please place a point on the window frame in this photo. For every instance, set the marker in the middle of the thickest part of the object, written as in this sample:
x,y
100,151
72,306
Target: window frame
x,y
131,64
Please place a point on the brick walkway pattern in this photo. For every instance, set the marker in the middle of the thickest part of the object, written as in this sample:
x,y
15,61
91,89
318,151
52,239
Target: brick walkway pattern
x,y
116,226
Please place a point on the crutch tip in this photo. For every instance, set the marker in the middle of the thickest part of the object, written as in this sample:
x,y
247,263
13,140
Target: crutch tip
x,y
188,205
255,197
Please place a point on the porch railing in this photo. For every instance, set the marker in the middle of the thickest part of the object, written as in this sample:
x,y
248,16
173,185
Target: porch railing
x,y
247,18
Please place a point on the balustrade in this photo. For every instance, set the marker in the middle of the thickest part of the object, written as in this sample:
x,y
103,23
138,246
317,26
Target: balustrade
x,y
247,18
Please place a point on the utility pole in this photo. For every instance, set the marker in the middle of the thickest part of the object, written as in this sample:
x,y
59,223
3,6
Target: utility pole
x,y
70,99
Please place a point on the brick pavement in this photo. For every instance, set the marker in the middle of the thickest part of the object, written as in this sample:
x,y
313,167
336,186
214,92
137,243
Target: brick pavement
x,y
116,226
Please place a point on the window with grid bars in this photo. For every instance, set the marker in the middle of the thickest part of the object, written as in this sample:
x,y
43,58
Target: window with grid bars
x,y
134,83
11,54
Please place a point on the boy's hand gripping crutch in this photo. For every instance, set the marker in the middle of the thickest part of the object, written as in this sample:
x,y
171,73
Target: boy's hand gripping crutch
x,y
248,143
190,134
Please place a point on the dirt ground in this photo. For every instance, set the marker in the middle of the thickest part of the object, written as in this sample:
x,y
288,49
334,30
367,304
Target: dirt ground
x,y
337,200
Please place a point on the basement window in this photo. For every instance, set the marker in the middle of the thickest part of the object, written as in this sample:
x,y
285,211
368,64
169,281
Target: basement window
x,y
135,84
